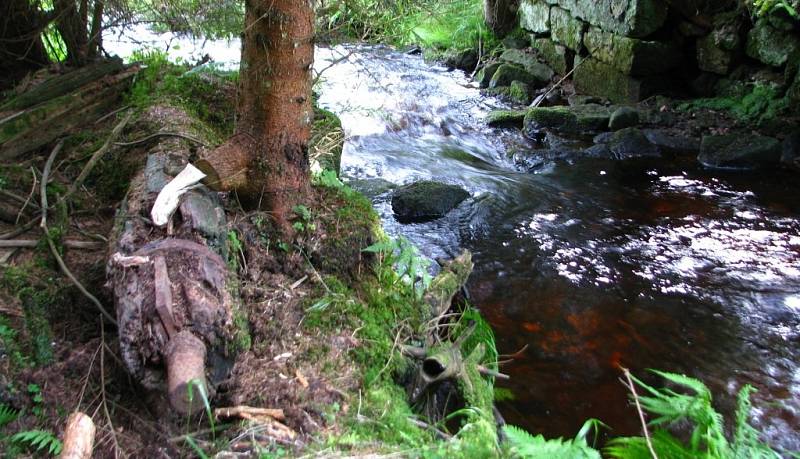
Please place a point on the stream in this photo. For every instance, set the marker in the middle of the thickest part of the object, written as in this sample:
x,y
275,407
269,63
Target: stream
x,y
588,265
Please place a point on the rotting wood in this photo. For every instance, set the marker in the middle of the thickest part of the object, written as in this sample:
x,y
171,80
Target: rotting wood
x,y
170,285
78,437
448,283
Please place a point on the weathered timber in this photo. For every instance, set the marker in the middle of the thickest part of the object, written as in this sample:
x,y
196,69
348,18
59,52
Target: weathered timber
x,y
450,280
30,128
78,437
170,285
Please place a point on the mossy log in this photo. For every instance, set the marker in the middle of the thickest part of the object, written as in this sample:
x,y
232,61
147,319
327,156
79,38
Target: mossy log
x,y
171,285
37,117
450,280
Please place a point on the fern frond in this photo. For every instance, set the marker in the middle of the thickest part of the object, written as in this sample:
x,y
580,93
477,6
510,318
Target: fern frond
x,y
524,445
665,445
38,439
7,414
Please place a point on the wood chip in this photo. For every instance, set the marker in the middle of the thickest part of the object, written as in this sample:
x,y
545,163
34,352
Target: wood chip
x,y
301,379
249,412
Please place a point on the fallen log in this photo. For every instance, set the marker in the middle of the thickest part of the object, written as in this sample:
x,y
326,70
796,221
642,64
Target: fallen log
x,y
39,124
170,284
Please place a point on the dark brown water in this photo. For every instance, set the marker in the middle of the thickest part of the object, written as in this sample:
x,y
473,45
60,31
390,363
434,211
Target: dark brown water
x,y
589,265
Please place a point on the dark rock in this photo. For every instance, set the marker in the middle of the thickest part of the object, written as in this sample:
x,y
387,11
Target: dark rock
x,y
505,118
770,45
371,187
631,143
712,58
485,74
465,60
515,43
600,150
581,99
739,151
569,119
623,117
790,155
508,73
672,142
425,201
690,29
603,137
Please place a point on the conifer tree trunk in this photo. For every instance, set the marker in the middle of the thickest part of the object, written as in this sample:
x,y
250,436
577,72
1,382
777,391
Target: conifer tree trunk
x,y
500,15
266,161
21,48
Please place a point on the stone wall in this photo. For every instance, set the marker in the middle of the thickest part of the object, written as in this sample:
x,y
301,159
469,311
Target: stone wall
x,y
627,50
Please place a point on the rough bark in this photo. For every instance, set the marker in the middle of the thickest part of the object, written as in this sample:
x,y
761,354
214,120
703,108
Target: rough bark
x,y
266,162
71,23
500,15
96,33
21,48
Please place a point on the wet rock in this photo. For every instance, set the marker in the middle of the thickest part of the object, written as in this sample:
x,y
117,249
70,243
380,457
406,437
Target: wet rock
x,y
558,57
631,56
519,93
581,99
484,75
465,60
566,29
790,155
505,118
672,142
534,16
623,117
371,187
425,201
631,143
770,45
739,151
529,62
568,119
507,73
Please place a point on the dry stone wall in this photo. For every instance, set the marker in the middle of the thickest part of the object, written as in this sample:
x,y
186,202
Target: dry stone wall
x,y
627,50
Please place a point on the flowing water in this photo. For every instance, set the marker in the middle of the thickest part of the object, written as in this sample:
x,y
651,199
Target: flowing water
x,y
591,264
586,265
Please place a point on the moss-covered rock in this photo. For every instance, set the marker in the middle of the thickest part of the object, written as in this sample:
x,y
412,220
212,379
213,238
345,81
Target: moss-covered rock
x,y
631,56
712,58
425,201
558,57
566,29
739,151
505,118
770,45
519,93
574,119
598,78
484,75
529,62
623,117
507,73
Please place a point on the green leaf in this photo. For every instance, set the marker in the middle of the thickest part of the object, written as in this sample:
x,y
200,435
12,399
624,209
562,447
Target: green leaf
x,y
38,439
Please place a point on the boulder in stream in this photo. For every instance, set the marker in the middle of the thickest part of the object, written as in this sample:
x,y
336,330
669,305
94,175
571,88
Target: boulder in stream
x,y
568,119
739,151
623,117
426,200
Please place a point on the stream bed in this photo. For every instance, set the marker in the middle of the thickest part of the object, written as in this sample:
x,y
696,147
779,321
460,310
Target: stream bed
x,y
593,264
587,265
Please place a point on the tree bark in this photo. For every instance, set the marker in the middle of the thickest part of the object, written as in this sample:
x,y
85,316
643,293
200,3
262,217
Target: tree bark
x,y
21,48
266,162
96,33
500,15
71,23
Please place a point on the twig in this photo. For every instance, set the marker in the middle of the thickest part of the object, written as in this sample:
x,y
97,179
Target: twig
x,y
109,115
103,388
493,373
32,243
20,229
558,83
96,157
30,196
160,134
43,192
442,435
632,388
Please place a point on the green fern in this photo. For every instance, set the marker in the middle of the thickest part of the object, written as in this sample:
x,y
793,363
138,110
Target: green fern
x,y
7,415
527,446
41,440
708,436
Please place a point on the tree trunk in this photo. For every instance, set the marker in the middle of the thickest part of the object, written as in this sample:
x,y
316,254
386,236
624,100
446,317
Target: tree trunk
x,y
266,162
500,15
21,48
96,34
71,23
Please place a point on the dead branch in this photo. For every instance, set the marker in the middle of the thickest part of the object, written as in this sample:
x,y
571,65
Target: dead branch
x,y
161,134
43,192
32,243
632,388
78,437
249,412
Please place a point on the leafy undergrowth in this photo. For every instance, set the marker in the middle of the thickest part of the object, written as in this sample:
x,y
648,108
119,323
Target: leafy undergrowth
x,y
756,104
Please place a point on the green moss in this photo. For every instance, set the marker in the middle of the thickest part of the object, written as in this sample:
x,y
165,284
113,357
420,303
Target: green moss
x,y
757,104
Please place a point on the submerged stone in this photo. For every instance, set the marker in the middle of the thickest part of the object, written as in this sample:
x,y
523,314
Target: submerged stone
x,y
671,142
631,143
425,201
568,119
739,151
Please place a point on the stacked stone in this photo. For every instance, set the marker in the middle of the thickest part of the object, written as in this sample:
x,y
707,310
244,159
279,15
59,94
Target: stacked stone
x,y
605,41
